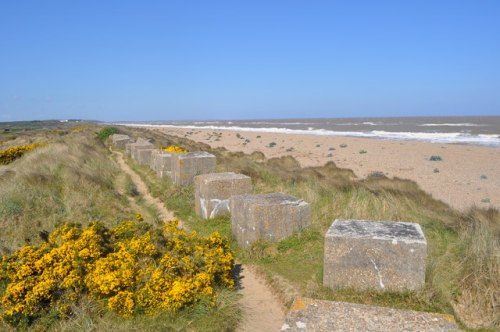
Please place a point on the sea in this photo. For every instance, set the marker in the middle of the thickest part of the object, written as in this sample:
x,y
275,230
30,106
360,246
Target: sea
x,y
475,130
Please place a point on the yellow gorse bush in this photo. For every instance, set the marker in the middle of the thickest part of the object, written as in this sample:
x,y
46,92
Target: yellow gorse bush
x,y
68,130
132,268
174,149
9,155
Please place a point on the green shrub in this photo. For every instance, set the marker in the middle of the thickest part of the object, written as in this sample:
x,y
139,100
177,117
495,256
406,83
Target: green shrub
x,y
104,133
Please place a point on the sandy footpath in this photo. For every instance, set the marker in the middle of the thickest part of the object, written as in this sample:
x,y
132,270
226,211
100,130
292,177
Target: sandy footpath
x,y
467,175
262,311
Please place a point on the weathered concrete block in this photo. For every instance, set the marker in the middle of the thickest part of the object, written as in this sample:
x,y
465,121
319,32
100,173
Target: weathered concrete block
x,y
271,217
120,140
152,164
144,156
128,148
134,150
185,166
212,192
320,315
139,142
161,163
374,255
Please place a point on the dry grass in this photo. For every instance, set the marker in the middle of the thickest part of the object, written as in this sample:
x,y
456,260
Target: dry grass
x,y
480,281
69,180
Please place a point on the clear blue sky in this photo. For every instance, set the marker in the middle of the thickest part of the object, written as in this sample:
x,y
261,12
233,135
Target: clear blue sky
x,y
167,60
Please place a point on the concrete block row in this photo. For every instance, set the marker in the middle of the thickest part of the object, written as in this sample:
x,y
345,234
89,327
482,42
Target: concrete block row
x,y
180,167
270,217
386,256
358,254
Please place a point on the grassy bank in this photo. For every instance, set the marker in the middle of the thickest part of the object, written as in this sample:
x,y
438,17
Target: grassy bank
x,y
68,180
463,248
74,179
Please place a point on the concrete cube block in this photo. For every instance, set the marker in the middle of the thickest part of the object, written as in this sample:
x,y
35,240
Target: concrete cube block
x,y
120,140
382,255
270,217
161,163
212,192
141,140
139,146
185,166
144,156
129,147
152,164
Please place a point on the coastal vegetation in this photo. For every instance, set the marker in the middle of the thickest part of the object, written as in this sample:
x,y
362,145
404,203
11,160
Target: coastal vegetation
x,y
462,266
10,154
104,133
132,268
174,149
67,228
435,158
73,183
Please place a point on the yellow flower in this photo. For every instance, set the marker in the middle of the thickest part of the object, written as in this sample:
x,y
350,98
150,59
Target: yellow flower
x,y
174,149
9,155
132,267
122,303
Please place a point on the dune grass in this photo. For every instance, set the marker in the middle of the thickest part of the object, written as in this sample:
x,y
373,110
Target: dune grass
x,y
74,179
462,276
89,316
69,180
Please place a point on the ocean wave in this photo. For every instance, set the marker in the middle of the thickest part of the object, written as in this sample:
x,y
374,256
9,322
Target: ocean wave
x,y
356,124
448,138
205,122
450,125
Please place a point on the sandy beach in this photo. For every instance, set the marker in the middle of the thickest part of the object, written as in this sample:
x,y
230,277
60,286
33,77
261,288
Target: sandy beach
x,y
466,175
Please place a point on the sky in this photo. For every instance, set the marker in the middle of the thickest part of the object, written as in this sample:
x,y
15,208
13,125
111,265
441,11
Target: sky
x,y
200,60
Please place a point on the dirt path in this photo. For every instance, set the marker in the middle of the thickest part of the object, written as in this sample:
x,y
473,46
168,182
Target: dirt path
x,y
142,189
262,311
120,187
